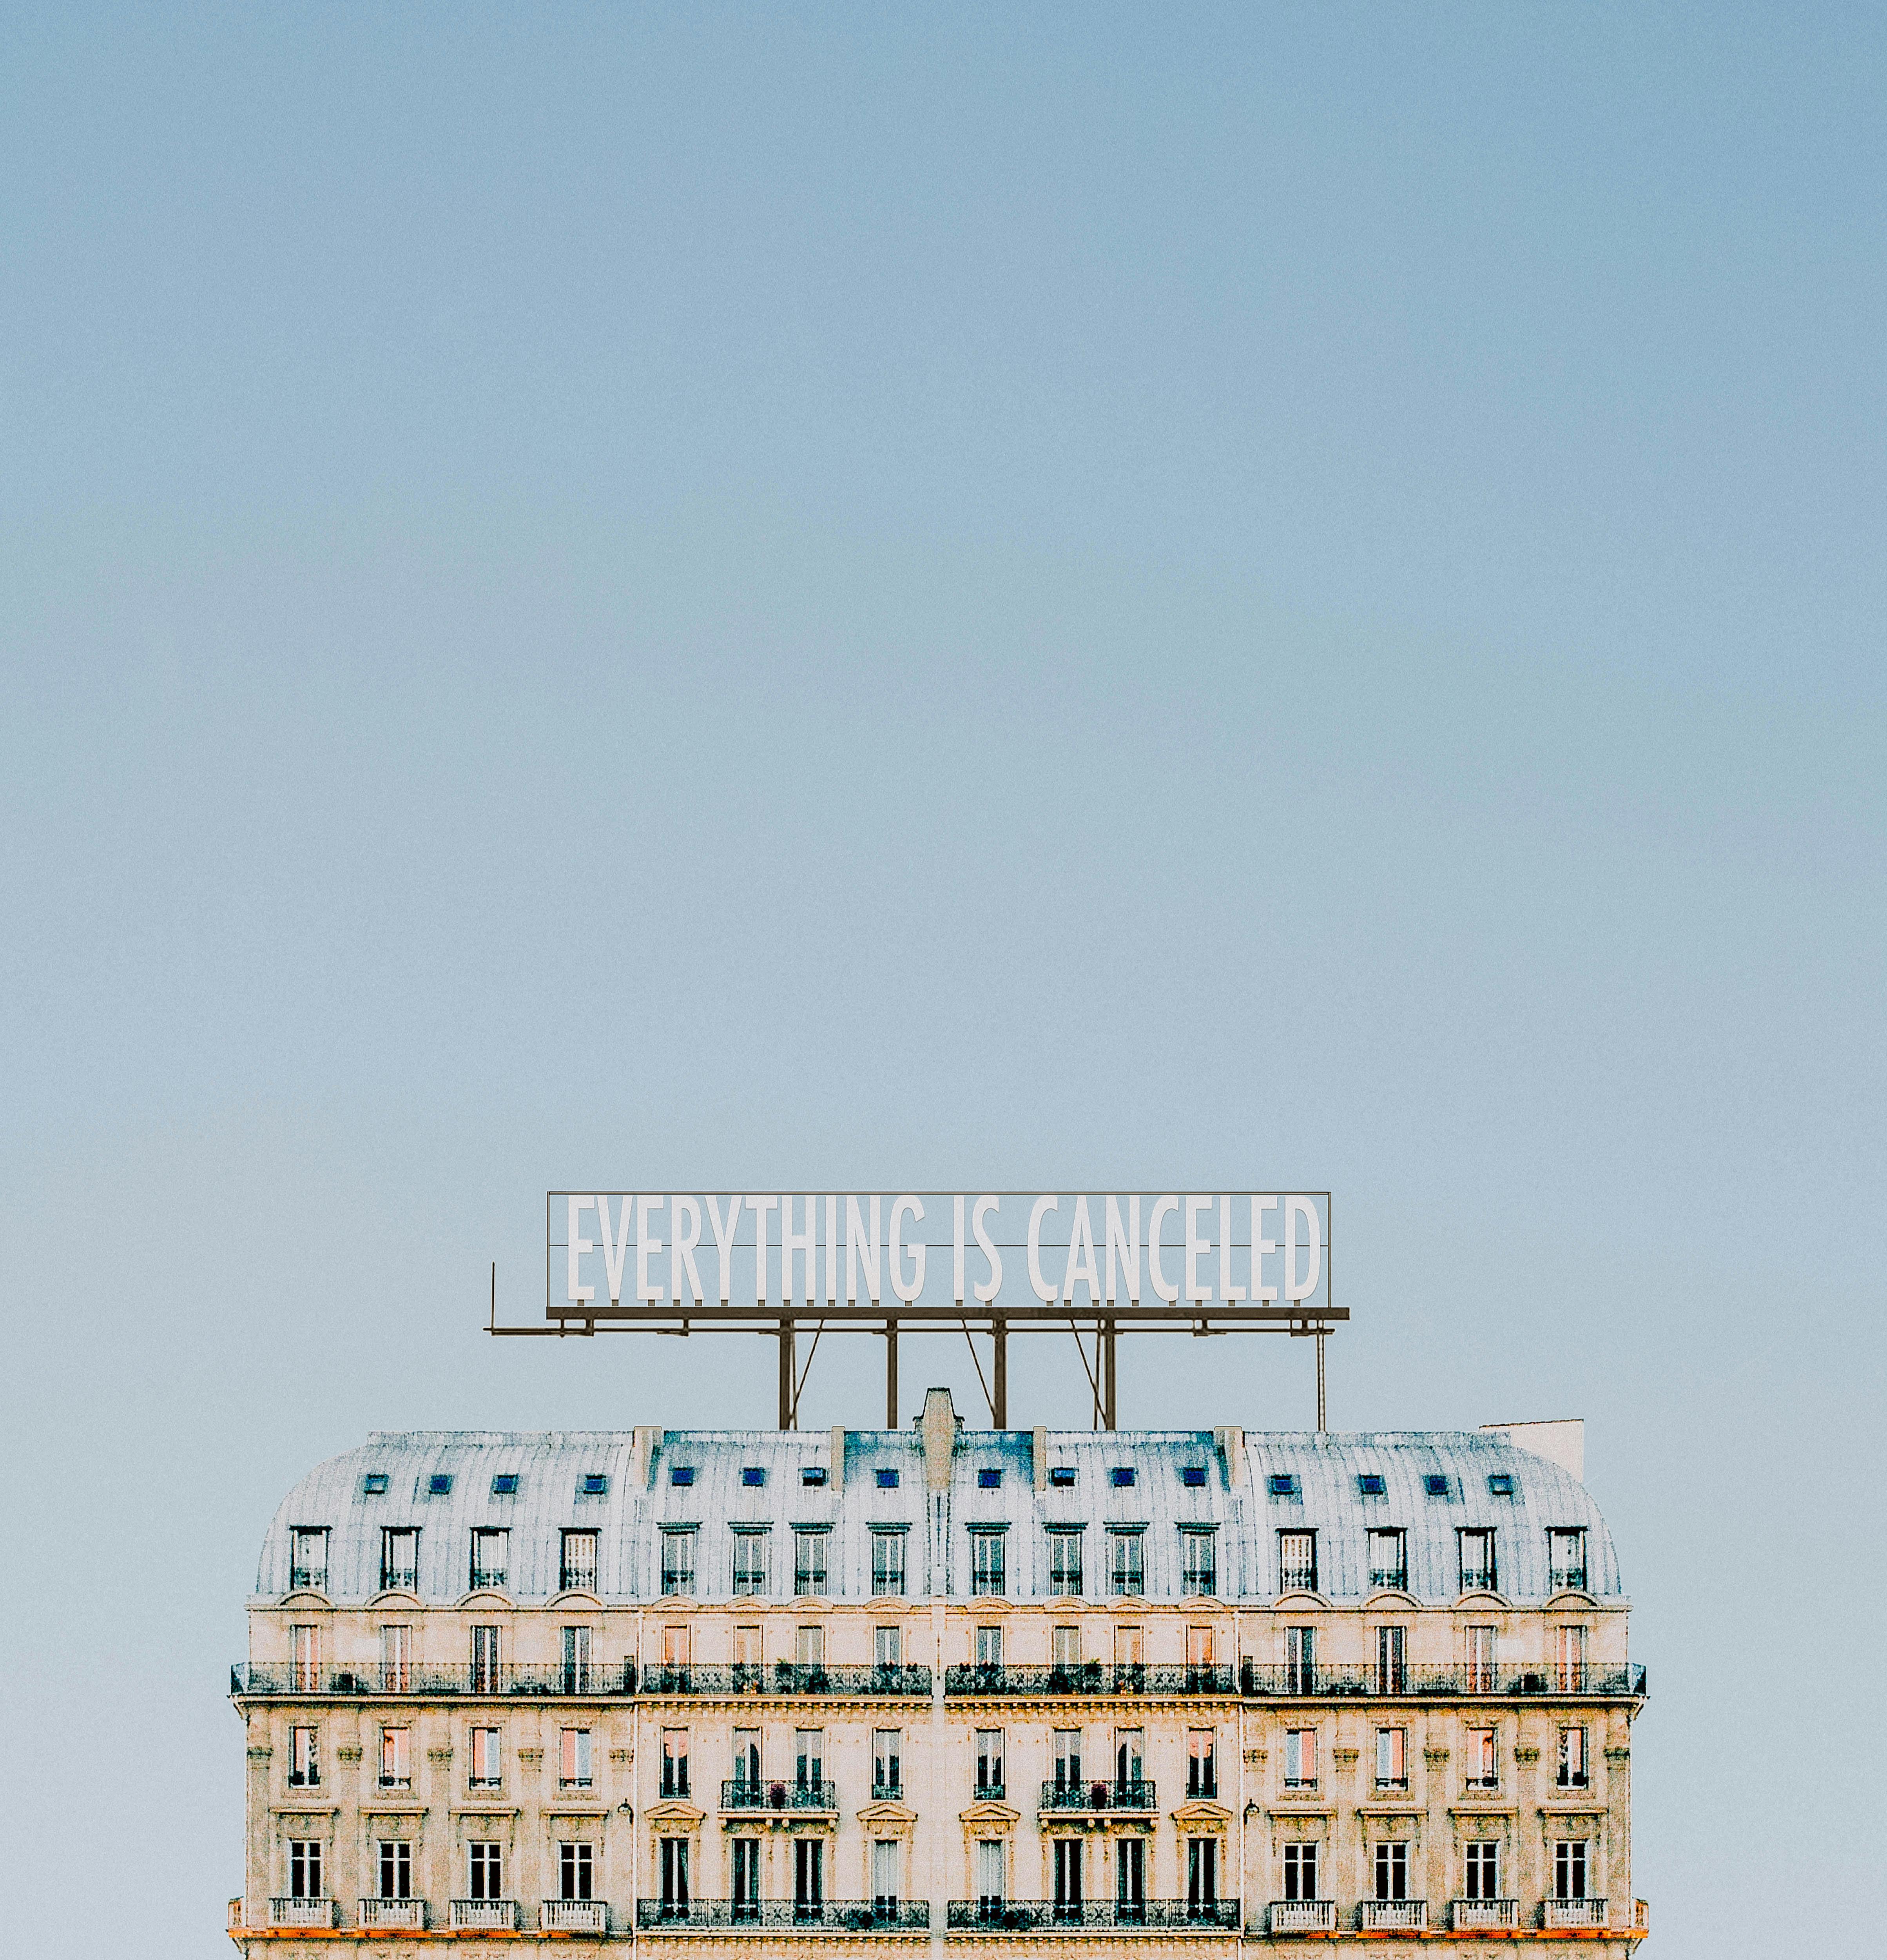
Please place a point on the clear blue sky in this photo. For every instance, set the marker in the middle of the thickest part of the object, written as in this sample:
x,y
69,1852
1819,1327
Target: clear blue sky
x,y
941,598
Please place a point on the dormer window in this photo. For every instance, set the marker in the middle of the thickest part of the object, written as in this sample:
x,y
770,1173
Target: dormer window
x,y
1297,1561
1566,1558
1389,1560
576,1569
1478,1574
491,1558
399,1560
308,1559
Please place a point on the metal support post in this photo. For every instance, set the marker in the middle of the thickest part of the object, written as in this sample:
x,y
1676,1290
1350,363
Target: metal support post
x,y
788,1377
891,1374
1320,1381
1108,1377
1000,1408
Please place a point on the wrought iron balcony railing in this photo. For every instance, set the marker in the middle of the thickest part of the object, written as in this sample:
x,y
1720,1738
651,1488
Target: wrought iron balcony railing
x,y
783,1916
1134,1794
1089,1678
791,1678
1288,1679
1093,1915
360,1679
812,1794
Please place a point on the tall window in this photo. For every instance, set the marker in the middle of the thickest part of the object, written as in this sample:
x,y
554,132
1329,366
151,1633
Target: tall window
x,y
985,1563
808,1749
1569,1654
1297,1561
674,1874
488,1759
1483,1764
484,1660
1065,1650
1201,1874
1478,1574
1199,1650
1389,1560
1130,1874
989,1763
1299,1758
809,1646
748,1652
1482,1867
1130,1757
808,1563
1129,1566
304,1659
1478,1658
1392,1759
888,1646
747,1758
1201,1762
308,1559
399,1560
1392,1871
678,1565
1064,1564
888,1563
396,1759
1391,1676
491,1558
304,1868
1300,1871
1067,1866
304,1759
746,1878
1199,1563
577,1679
809,1874
1572,1759
577,1567
1067,1758
1569,1868
750,1562
484,1874
675,1762
886,1772
573,1876
989,1646
884,1874
1300,1660
396,1869
574,1760
396,1660
1566,1559
989,1872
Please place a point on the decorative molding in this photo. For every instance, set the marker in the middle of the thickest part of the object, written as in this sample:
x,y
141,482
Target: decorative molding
x,y
1526,1756
530,1755
347,1755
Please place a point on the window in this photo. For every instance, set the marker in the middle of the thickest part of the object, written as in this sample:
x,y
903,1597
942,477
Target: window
x,y
373,1484
308,1560
747,1647
1065,1650
888,1563
1130,1875
989,1872
1123,1476
484,1660
1061,1476
675,1762
887,1480
396,1660
304,1659
884,1874
1199,1563
1392,1759
985,1549
674,1873
1299,1758
812,1474
1282,1485
1130,1569
1392,1871
1130,1757
681,1476
304,1868
576,1660
1130,1657
809,1874
304,1759
753,1476
1569,1868
809,1646
439,1484
485,1873
989,1480
809,1746
1297,1561
1067,1862
1392,1676
1388,1561
750,1562
746,1761
1479,1660
989,1646
1199,1647
1483,1764
1201,1874
574,1762
1067,1744
989,1763
577,1571
574,1877
1300,1660
1193,1476
1482,1875
396,1869
746,1878
1500,1485
490,1556
399,1560
396,1759
1436,1485
505,1485
1064,1564
1569,1658
488,1759
1201,1762
1300,1871
594,1484
888,1646
1370,1485
887,1749
808,1563
1477,1561
677,1562
1572,1759
1566,1560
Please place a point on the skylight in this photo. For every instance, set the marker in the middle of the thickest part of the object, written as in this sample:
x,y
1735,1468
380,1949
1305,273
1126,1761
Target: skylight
x,y
1500,1485
753,1475
595,1484
1193,1476
1435,1485
888,1480
681,1476
505,1485
439,1484
989,1480
1062,1475
1283,1484
1124,1476
812,1473
376,1483
1370,1485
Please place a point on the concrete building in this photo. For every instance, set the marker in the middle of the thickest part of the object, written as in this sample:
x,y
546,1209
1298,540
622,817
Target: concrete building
x,y
755,1691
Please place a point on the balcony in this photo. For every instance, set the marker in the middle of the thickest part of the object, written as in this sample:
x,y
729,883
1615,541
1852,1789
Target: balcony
x,y
788,1678
811,1795
304,1912
483,1916
573,1916
1091,1678
1569,1915
1134,1795
1294,1916
1393,1916
406,1915
763,1916
1290,1681
1485,1915
1092,1916
369,1680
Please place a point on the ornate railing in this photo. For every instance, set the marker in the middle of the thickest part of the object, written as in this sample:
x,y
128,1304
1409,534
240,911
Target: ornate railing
x,y
370,1678
655,1915
1136,1793
1289,1680
407,1914
1090,1677
1573,1915
1484,1915
1393,1916
573,1916
304,1912
779,1795
1289,1916
483,1915
788,1677
1092,1916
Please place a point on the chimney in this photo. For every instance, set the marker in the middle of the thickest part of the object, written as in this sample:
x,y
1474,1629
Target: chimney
x,y
836,1475
938,1425
648,1440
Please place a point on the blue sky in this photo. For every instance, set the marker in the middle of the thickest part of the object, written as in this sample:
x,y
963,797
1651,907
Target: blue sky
x,y
940,598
